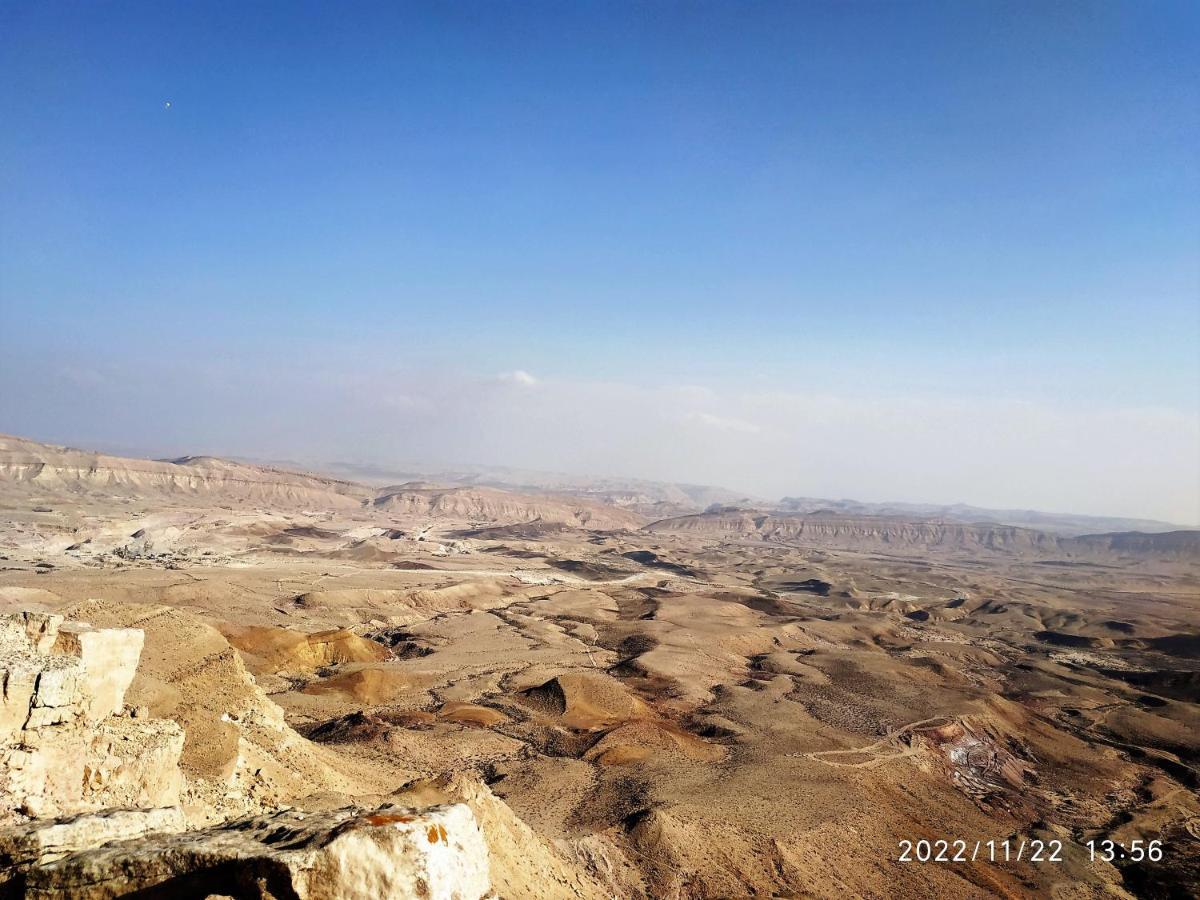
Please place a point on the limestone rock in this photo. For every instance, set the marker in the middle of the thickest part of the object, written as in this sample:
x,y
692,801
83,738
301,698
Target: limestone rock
x,y
43,774
523,863
44,841
436,853
19,671
134,763
62,749
36,630
55,699
109,658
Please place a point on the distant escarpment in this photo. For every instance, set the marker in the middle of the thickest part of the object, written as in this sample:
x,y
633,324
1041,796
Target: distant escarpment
x,y
45,469
880,533
1181,544
490,505
1064,524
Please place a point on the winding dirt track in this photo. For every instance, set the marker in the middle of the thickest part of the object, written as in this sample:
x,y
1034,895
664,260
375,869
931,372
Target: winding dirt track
x,y
876,749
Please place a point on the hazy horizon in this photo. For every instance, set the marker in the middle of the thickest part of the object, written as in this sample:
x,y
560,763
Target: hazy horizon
x,y
932,253
398,466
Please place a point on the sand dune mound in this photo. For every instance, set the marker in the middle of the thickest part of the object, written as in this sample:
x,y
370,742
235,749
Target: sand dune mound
x,y
277,650
653,560
637,741
369,601
366,551
481,593
371,687
471,714
590,571
585,701
311,531
1063,639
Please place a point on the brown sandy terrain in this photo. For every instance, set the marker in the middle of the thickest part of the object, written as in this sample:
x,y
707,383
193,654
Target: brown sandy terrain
x,y
723,705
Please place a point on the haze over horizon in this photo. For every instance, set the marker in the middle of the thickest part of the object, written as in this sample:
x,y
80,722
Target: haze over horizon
x,y
935,253
421,469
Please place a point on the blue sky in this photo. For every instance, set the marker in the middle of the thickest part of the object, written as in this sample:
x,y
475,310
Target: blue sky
x,y
986,214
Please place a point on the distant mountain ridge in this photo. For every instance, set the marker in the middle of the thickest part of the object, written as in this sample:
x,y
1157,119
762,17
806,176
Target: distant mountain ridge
x,y
510,493
655,499
36,472
663,499
1058,523
907,535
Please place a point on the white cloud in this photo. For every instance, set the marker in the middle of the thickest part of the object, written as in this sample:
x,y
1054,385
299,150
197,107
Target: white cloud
x,y
519,377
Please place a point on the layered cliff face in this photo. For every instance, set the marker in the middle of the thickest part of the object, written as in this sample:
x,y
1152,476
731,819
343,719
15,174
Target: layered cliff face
x,y
874,532
1165,545
36,468
850,532
503,507
894,535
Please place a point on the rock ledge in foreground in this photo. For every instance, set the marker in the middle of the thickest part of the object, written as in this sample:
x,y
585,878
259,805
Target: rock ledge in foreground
x,y
436,853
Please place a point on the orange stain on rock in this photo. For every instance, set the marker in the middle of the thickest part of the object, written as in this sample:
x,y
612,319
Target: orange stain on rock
x,y
388,819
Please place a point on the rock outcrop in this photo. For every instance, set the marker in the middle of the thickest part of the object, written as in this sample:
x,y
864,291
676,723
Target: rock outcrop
x,y
91,790
44,841
66,743
240,756
523,863
436,853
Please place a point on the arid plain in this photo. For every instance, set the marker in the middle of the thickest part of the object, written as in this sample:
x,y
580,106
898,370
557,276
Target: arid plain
x,y
637,698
